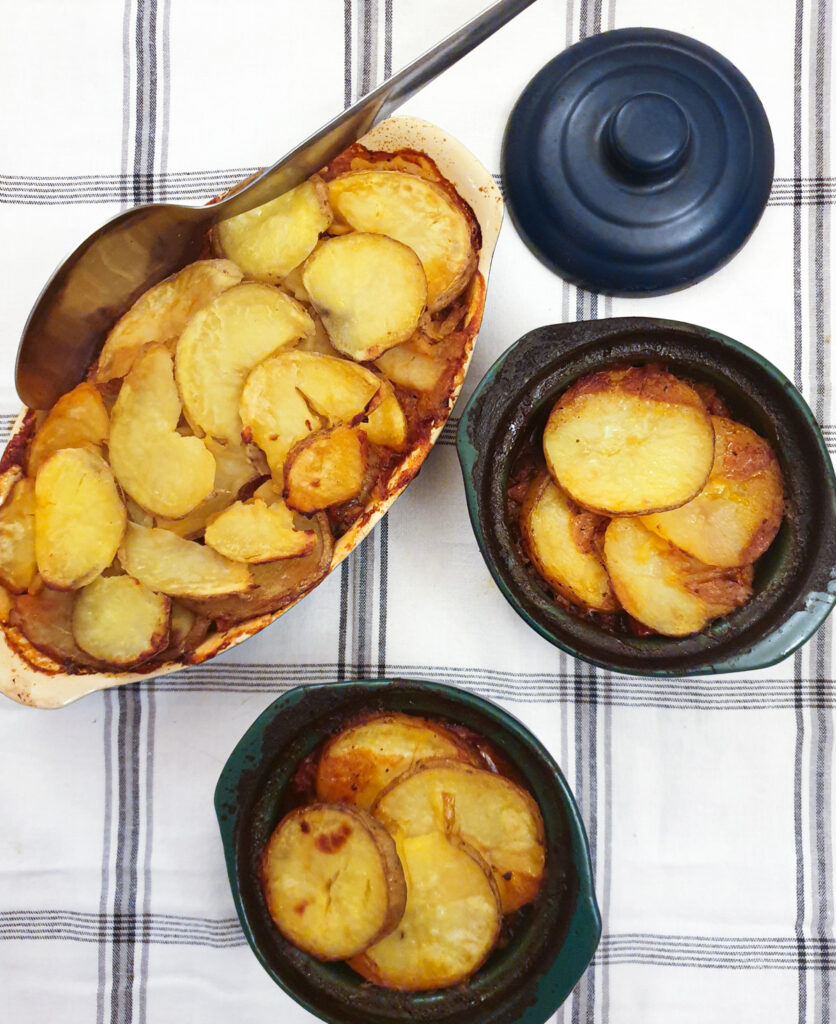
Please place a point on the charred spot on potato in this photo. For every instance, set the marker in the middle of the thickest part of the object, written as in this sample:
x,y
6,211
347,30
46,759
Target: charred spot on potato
x,y
330,842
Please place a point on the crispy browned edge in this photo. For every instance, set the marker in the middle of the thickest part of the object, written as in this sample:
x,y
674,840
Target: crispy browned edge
x,y
392,869
403,473
468,755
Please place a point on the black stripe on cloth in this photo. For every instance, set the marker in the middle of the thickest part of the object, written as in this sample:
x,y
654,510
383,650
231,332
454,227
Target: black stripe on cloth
x,y
198,186
729,952
716,694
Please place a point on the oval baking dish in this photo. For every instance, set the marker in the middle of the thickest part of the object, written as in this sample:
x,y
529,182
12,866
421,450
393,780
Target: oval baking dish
x,y
35,678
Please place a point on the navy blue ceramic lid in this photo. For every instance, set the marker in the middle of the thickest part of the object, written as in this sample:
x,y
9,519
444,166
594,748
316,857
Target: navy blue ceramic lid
x,y
637,162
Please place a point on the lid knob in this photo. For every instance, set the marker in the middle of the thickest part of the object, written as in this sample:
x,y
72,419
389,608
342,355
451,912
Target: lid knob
x,y
648,136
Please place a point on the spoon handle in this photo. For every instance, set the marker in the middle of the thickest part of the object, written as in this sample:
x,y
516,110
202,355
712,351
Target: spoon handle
x,y
348,126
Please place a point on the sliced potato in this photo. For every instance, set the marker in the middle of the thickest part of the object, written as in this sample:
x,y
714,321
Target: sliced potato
x,y
233,470
77,419
411,367
325,469
187,630
418,213
386,424
276,584
292,394
162,312
735,517
8,480
451,923
79,518
165,472
6,604
120,622
362,759
369,291
46,620
667,590
17,538
496,817
318,341
269,241
559,539
167,564
220,346
256,532
332,880
628,442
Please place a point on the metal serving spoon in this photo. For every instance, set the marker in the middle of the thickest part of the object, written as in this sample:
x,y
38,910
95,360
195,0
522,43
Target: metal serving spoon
x,y
95,285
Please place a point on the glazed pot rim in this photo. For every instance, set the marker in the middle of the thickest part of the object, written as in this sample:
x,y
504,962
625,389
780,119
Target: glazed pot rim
x,y
524,376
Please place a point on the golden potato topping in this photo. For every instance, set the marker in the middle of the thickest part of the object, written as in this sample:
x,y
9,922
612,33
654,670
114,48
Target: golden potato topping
x,y
736,516
79,518
160,315
630,442
369,291
451,922
418,213
332,880
270,241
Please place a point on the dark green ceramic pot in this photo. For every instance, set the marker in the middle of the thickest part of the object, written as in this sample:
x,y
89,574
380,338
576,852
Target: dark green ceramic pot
x,y
795,581
552,941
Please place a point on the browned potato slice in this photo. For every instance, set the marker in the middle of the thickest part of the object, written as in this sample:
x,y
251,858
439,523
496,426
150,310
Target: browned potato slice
x,y
292,394
669,591
451,922
77,419
162,312
269,241
256,532
369,291
735,517
276,584
187,630
560,540
167,564
496,817
120,622
386,424
332,880
79,518
163,471
17,538
365,757
416,212
626,442
46,620
325,469
223,342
